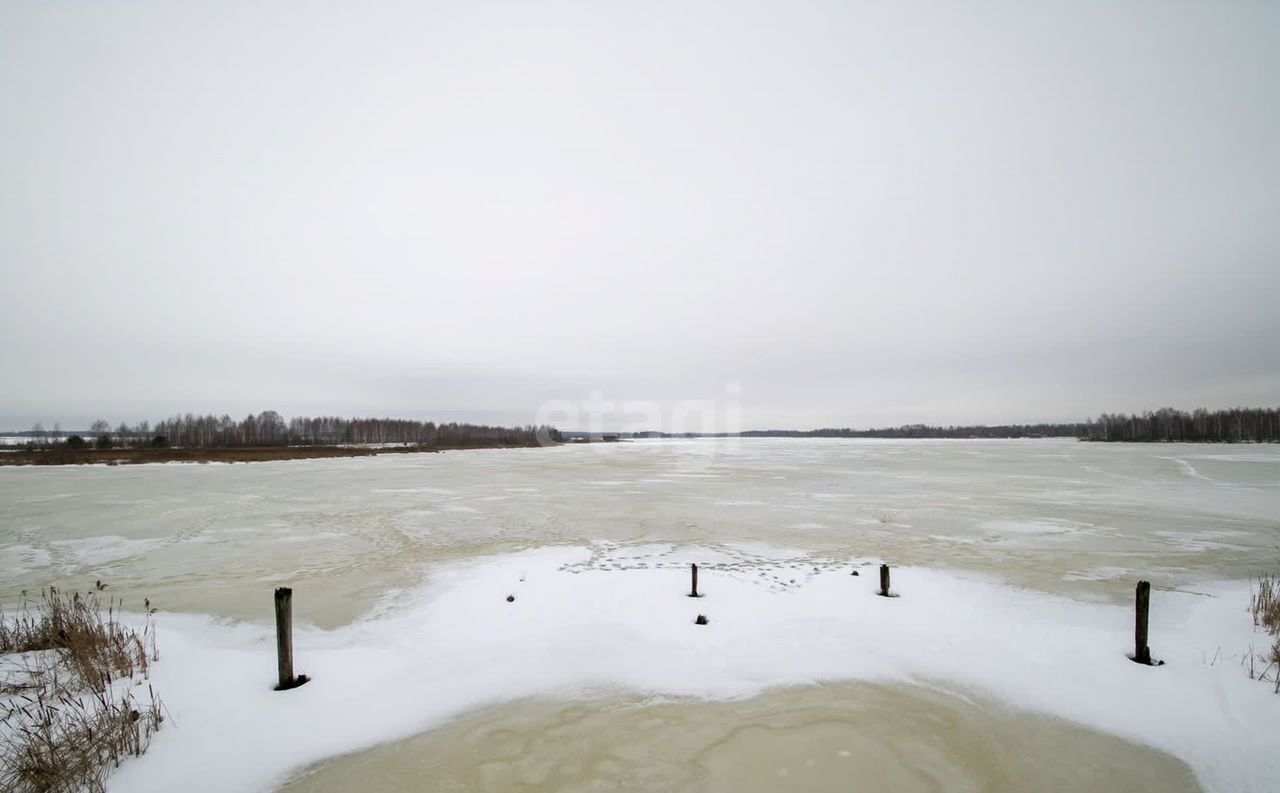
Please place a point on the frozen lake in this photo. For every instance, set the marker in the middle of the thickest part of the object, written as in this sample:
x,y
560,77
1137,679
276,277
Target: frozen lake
x,y
1051,532
1085,520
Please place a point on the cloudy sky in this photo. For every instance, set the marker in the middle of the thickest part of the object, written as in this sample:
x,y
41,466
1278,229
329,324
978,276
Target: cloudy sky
x,y
815,214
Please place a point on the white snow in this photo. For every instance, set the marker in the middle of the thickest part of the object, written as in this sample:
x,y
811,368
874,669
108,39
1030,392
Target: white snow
x,y
575,630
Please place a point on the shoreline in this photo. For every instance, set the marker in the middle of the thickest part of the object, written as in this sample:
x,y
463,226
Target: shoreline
x,y
765,635
48,457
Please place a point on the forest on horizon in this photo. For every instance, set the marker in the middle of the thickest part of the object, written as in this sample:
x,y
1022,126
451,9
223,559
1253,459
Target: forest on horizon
x,y
270,429
1233,425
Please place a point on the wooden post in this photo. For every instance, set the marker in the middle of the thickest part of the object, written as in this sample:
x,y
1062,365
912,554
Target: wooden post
x,y
1141,652
284,640
693,592
884,580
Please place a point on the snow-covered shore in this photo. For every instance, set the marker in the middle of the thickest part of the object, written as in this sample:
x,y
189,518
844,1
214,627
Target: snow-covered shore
x,y
576,629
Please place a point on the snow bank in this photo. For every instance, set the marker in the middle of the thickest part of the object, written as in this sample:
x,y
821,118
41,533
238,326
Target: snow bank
x,y
575,629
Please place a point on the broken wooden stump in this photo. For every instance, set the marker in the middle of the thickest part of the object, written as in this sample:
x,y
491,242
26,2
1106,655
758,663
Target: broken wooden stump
x,y
284,641
1142,604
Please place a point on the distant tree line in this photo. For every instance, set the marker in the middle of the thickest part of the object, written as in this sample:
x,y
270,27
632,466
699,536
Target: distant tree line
x,y
1236,425
905,431
269,428
931,431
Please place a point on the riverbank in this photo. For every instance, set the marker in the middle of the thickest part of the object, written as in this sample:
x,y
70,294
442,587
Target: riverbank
x,y
578,625
252,454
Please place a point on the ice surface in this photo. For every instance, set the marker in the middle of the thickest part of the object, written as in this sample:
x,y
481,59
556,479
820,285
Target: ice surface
x,y
20,558
106,548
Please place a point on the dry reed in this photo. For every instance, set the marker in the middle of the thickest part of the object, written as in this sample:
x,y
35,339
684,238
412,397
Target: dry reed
x,y
1264,604
68,711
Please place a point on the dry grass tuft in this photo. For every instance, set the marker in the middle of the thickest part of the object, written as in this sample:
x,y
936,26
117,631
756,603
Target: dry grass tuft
x,y
95,648
54,742
1265,603
1275,663
68,712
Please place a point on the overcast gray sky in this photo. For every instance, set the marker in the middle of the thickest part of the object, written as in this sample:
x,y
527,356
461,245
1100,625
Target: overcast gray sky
x,y
860,213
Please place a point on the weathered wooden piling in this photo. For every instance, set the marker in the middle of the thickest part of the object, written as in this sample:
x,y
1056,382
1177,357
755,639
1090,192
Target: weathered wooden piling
x,y
884,580
693,591
284,640
1141,652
